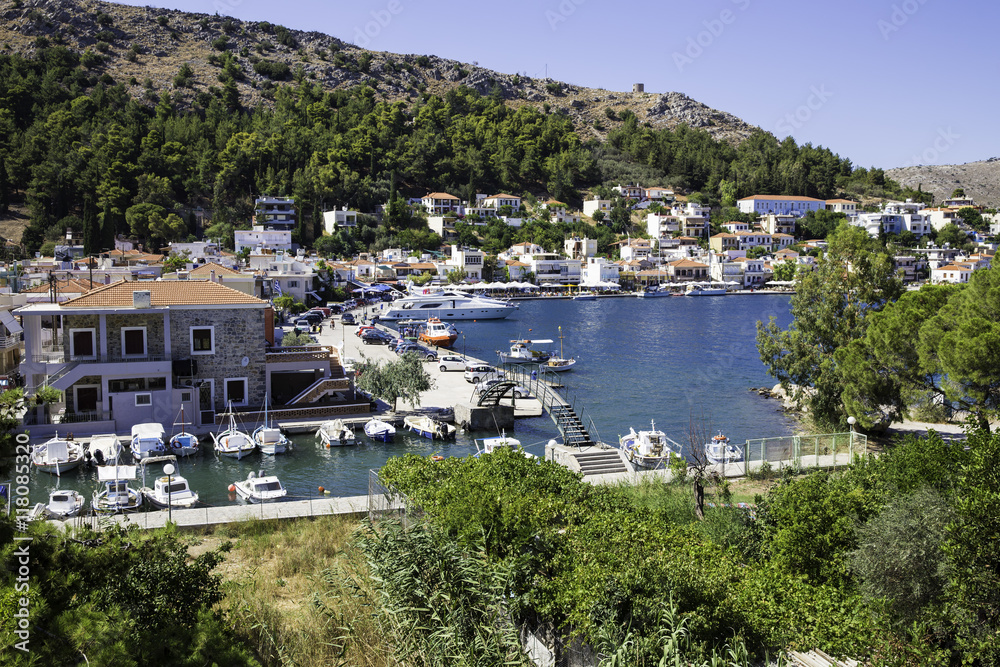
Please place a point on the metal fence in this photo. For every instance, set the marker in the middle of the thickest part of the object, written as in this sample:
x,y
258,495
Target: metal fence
x,y
824,450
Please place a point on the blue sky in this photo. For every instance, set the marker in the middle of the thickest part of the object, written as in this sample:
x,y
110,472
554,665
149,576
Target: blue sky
x,y
883,82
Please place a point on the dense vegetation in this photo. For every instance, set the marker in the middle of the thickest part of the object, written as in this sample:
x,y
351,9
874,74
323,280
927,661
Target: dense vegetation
x,y
82,154
887,560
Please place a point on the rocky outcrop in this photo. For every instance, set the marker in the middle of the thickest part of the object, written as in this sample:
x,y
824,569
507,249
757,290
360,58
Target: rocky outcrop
x,y
980,180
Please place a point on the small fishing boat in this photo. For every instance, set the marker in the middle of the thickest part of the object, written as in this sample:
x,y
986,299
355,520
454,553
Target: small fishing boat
x,y
710,288
64,503
436,332
335,433
520,353
170,491
720,450
104,449
57,456
648,449
147,440
183,443
585,297
379,430
429,428
232,441
269,437
115,494
260,488
490,445
558,364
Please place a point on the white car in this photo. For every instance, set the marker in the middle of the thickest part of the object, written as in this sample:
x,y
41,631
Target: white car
x,y
475,373
451,362
519,391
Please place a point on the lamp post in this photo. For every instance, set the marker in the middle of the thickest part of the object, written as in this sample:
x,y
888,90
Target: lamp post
x,y
851,421
465,348
169,470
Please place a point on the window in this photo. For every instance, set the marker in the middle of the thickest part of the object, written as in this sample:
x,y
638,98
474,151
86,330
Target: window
x,y
143,399
133,341
202,340
185,397
236,391
83,343
293,283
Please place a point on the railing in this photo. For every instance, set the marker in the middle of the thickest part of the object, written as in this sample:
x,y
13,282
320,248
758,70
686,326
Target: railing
x,y
7,342
55,357
32,418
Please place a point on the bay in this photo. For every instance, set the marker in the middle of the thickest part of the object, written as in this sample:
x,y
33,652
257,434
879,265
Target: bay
x,y
685,363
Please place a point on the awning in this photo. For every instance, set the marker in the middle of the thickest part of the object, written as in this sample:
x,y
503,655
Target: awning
x,y
8,321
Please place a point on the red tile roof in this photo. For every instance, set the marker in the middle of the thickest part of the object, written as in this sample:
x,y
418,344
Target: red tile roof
x,y
163,293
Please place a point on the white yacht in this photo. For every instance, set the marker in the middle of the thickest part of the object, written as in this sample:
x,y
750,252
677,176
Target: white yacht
x,y
446,304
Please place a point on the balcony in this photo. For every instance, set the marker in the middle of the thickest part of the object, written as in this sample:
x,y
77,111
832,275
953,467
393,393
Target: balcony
x,y
57,354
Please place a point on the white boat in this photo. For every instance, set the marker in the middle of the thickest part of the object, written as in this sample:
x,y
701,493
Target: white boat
x,y
652,292
446,304
64,503
335,433
232,441
183,443
147,440
115,494
558,364
57,456
648,449
104,449
720,450
429,428
170,491
706,289
585,296
260,488
520,353
379,430
490,445
269,437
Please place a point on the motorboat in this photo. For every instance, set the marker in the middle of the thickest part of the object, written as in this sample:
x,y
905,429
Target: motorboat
x,y
521,353
57,455
183,443
64,503
170,491
436,332
490,445
558,364
428,427
654,291
334,433
147,440
648,449
720,450
269,437
379,430
705,289
232,441
446,304
104,449
116,494
260,488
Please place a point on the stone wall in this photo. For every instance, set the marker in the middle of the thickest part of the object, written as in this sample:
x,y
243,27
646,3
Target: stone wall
x,y
154,332
238,333
80,322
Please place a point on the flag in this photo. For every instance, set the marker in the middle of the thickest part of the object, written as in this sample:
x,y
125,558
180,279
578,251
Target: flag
x,y
277,287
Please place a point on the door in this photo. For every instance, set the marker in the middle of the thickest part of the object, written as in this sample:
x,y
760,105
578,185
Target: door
x,y
87,399
206,403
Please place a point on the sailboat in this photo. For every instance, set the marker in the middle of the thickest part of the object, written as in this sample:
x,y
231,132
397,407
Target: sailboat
x,y
183,443
558,364
232,441
269,437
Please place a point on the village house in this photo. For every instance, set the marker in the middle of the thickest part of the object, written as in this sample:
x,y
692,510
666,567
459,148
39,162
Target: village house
x,y
339,219
846,206
723,242
780,204
597,271
687,270
635,249
497,202
951,273
777,224
591,206
441,203
274,213
577,248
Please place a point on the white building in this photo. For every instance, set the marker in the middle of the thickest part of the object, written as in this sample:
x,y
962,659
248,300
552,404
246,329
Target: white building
x,y
443,226
497,201
778,224
469,260
780,204
284,274
951,273
261,239
850,208
578,248
592,206
636,249
441,203
334,220
598,270
274,212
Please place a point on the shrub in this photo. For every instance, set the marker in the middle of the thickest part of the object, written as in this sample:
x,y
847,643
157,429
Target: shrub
x,y
90,60
423,61
162,20
104,19
285,38
272,69
553,87
105,36
220,43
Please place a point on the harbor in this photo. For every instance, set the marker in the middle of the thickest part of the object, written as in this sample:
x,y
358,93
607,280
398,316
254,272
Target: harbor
x,y
619,367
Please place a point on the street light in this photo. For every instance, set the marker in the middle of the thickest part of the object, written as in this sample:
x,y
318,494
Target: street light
x,y
851,421
169,470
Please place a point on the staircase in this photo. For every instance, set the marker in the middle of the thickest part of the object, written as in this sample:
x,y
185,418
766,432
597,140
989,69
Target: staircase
x,y
319,389
574,433
56,380
600,461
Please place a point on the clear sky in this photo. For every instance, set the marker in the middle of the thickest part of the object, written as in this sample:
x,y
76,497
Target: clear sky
x,y
885,83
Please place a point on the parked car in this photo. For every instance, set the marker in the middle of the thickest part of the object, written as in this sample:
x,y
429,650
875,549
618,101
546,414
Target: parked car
x,y
363,328
347,318
476,373
421,351
314,316
302,325
323,309
376,337
519,391
451,362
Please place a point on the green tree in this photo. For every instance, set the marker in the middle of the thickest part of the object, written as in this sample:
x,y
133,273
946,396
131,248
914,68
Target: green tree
x,y
785,271
830,308
456,276
175,262
952,235
819,224
973,218
404,378
141,217
958,193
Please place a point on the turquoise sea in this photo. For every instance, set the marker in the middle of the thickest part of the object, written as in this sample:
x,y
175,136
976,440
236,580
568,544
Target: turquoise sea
x,y
684,362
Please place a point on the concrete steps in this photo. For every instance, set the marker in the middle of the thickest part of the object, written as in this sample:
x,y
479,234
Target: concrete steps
x,y
600,462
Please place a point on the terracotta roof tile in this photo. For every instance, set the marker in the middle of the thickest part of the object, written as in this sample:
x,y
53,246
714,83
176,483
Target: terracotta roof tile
x,y
163,293
440,195
206,269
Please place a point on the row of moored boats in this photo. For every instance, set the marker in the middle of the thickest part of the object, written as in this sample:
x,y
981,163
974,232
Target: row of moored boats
x,y
652,449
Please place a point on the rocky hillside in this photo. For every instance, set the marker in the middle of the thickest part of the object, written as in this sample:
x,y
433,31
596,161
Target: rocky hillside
x,y
980,180
148,47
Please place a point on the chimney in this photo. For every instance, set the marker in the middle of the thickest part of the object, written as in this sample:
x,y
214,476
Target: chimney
x,y
213,275
142,299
